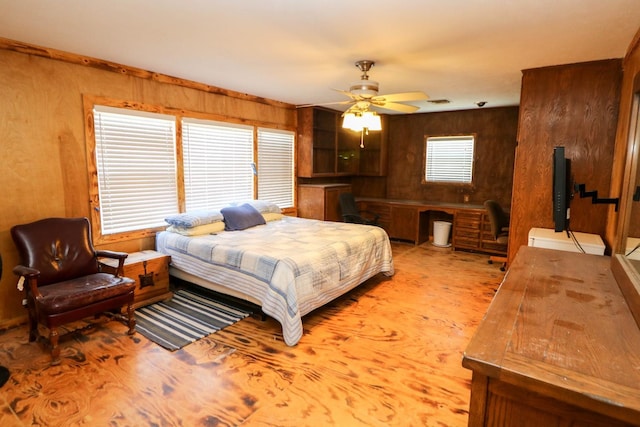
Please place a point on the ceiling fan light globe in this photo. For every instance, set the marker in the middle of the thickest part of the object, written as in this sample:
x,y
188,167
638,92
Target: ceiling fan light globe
x,y
371,121
353,122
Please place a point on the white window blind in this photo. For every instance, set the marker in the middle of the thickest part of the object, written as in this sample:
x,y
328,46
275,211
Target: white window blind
x,y
136,162
218,163
275,166
449,159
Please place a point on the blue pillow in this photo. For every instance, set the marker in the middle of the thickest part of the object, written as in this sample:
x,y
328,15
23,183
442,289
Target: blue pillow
x,y
241,217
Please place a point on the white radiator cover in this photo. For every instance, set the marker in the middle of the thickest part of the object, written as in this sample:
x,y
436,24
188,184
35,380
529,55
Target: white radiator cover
x,y
547,238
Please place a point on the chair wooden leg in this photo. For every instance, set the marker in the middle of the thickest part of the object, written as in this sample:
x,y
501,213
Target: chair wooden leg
x,y
33,329
33,321
55,349
131,319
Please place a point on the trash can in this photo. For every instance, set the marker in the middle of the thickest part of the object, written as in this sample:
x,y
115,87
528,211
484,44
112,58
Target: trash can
x,y
441,230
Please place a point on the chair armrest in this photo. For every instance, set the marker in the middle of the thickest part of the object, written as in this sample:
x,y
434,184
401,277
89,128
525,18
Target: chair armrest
x,y
27,272
31,275
111,254
373,214
120,256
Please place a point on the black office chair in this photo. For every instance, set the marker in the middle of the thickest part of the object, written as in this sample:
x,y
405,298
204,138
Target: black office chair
x,y
499,221
350,212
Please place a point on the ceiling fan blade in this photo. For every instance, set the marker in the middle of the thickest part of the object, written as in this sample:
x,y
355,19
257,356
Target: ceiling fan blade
x,y
401,97
403,108
347,93
325,103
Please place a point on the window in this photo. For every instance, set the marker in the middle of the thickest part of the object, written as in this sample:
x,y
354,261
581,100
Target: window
x,y
275,166
218,163
136,168
148,162
449,159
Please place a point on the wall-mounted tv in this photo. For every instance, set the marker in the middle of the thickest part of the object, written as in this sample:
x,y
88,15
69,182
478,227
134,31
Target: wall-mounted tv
x,y
562,189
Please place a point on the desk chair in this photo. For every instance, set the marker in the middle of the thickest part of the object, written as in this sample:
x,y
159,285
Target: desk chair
x,y
499,221
350,212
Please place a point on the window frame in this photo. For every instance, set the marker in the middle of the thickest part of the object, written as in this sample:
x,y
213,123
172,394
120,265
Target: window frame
x,y
89,101
456,184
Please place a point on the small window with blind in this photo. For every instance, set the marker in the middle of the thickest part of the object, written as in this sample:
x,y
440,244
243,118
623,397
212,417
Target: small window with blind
x,y
218,163
449,159
136,169
276,166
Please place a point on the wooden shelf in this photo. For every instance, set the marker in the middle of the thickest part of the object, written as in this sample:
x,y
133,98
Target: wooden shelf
x,y
326,149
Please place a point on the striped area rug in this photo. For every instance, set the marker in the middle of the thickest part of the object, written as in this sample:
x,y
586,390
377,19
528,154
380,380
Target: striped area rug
x,y
187,317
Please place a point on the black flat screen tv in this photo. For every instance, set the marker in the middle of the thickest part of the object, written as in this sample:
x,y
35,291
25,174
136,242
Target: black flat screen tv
x,y
562,191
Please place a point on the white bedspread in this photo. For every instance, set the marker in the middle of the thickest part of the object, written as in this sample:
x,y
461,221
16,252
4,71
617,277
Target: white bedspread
x,y
292,266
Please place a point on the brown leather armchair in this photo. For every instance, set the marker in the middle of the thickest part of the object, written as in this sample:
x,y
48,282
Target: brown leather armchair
x,y
64,280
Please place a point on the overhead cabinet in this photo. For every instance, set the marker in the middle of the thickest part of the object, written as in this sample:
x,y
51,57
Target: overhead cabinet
x,y
325,149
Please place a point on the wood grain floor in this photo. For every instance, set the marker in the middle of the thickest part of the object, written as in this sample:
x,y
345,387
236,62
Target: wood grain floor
x,y
387,354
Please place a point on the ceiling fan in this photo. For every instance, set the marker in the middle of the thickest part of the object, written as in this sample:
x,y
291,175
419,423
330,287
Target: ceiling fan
x,y
364,94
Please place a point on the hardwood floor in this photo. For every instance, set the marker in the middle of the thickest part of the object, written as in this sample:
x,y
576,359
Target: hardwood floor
x,y
388,353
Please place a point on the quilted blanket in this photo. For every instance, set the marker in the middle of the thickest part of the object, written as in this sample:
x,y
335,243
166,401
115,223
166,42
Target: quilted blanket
x,y
292,266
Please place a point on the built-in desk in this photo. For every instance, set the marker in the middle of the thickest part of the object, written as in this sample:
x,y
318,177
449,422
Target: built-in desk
x,y
412,220
557,347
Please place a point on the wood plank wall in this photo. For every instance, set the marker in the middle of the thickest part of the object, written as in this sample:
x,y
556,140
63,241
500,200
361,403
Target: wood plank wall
x,y
495,130
575,106
623,168
43,161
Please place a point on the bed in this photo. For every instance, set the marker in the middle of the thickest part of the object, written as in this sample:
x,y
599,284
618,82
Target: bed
x,y
289,266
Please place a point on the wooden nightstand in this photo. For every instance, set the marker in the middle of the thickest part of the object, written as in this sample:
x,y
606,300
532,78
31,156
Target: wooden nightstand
x,y
150,270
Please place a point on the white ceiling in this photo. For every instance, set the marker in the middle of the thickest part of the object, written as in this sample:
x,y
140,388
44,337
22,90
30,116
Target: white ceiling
x,y
297,51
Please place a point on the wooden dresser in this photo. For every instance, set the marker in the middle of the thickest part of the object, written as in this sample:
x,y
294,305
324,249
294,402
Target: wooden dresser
x,y
557,347
321,201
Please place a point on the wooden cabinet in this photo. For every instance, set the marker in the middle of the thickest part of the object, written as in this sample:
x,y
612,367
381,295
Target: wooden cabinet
x,y
557,347
321,201
467,229
150,270
472,231
404,223
326,149
317,142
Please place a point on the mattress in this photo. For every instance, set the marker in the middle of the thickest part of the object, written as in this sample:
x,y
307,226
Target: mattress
x,y
291,266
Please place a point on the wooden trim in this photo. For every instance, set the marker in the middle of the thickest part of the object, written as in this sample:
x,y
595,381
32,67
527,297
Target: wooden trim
x,y
634,45
72,58
628,279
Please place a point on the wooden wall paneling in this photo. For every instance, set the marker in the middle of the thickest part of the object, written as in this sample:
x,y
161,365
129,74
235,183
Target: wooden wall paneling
x,y
575,106
631,80
495,129
369,186
43,135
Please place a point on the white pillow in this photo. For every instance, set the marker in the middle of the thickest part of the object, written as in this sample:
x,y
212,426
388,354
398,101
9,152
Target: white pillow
x,y
214,227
